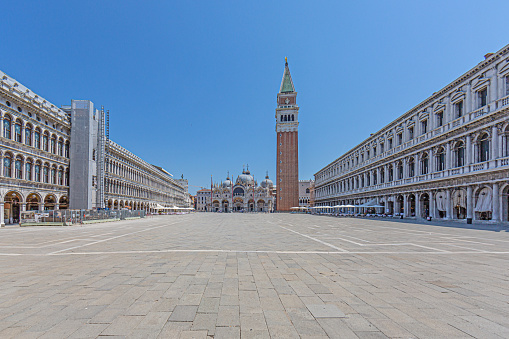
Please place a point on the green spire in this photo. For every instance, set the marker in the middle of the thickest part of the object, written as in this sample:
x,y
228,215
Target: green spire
x,y
287,83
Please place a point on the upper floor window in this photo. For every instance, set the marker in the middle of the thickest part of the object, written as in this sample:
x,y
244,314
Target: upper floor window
x,y
482,97
400,138
424,126
381,147
17,131
390,143
507,85
458,109
18,167
440,118
374,151
459,154
8,165
7,128
28,170
400,170
424,164
391,173
483,147
411,167
410,133
382,175
28,135
440,159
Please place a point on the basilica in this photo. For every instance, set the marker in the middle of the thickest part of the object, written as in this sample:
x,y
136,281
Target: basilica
x,y
245,195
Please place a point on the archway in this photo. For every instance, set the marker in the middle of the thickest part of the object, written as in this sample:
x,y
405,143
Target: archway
x,y
505,203
441,204
390,208
63,202
483,204
251,205
411,205
12,202
215,205
424,201
238,204
49,202
225,206
260,204
459,203
401,205
33,201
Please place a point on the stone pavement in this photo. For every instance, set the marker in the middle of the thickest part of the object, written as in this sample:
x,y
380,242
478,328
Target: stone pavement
x,y
254,276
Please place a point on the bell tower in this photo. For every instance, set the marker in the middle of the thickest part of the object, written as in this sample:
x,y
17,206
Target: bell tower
x,y
287,132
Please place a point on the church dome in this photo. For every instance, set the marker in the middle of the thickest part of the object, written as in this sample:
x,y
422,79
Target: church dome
x,y
267,183
227,183
245,178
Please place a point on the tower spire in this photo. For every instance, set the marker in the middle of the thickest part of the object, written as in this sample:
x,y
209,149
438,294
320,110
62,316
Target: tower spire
x,y
286,82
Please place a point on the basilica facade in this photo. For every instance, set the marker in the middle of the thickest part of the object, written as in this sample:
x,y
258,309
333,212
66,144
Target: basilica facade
x,y
243,195
448,157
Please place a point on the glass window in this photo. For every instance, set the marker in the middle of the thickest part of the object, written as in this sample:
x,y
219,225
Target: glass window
x,y
7,128
45,143
424,126
45,174
28,171
460,155
400,138
60,148
440,118
7,166
483,97
411,167
37,139
37,172
17,132
484,148
440,160
390,143
66,150
507,85
424,164
400,171
19,169
458,109
53,176
53,145
410,133
28,136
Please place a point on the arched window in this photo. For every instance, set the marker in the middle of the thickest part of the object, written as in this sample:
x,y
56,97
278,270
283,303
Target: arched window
x,y
37,172
53,175
440,159
411,167
45,141
424,163
37,138
400,170
7,127
45,174
60,147
483,147
28,135
53,144
28,170
8,165
66,149
17,131
293,117
382,175
66,183
18,167
281,117
459,154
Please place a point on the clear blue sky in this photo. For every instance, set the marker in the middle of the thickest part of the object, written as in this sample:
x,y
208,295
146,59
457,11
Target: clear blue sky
x,y
191,85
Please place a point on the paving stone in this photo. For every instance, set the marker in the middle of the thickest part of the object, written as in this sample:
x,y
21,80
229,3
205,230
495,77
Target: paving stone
x,y
183,313
325,311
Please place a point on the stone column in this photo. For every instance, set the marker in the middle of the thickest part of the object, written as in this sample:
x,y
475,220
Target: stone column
x,y
417,206
405,205
448,156
395,206
431,204
495,216
470,203
449,204
468,150
57,206
41,206
494,142
23,206
2,221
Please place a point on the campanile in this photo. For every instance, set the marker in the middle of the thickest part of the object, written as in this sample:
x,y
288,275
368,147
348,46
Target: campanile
x,y
287,131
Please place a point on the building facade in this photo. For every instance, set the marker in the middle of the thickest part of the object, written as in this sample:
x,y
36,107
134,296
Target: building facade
x,y
287,134
448,157
35,149
59,158
245,195
305,187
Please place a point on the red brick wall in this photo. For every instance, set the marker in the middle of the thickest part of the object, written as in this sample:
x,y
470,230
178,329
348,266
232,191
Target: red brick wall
x,y
287,177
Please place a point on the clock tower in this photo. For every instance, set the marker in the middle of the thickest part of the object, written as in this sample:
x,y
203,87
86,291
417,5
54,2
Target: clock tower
x,y
287,132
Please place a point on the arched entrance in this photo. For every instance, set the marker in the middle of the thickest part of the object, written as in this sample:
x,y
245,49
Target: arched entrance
x,y
260,205
251,205
238,204
215,206
411,205
63,203
33,201
12,207
49,202
505,203
483,204
225,206
424,201
459,203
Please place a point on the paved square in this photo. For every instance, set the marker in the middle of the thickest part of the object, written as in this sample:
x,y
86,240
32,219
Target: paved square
x,y
254,276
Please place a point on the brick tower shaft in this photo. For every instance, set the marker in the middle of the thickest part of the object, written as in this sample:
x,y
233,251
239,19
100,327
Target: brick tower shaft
x,y
287,131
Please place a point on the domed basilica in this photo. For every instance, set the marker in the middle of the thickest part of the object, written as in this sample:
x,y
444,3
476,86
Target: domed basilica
x,y
243,195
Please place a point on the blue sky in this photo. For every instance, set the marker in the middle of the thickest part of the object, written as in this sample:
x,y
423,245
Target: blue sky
x,y
191,86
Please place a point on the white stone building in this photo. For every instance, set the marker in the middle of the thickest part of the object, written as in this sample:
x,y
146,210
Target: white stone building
x,y
244,195
448,157
34,147
56,158
305,187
